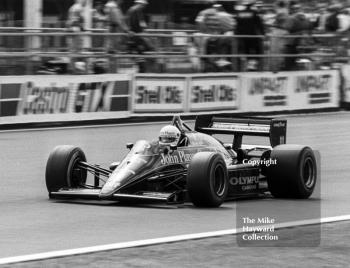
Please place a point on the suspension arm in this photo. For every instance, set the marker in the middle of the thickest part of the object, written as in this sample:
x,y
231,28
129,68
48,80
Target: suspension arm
x,y
95,169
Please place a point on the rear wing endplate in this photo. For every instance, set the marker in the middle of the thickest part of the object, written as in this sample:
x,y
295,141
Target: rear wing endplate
x,y
275,129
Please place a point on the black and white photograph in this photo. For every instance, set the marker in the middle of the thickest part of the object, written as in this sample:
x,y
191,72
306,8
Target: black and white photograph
x,y
174,133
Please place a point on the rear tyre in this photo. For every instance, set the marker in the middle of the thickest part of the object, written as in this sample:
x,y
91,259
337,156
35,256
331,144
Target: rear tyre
x,y
295,172
207,182
62,170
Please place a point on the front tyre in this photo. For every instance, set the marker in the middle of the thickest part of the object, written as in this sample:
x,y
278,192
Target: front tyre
x,y
62,168
207,182
295,172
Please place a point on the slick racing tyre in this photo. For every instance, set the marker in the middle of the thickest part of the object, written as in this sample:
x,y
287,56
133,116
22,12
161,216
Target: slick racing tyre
x,y
295,172
207,182
62,170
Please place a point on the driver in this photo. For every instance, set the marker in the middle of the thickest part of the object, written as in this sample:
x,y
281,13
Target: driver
x,y
169,135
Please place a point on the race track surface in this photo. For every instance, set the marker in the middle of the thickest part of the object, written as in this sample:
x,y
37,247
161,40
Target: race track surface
x,y
31,223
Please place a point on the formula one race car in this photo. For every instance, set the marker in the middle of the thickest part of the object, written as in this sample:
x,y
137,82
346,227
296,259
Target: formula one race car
x,y
199,168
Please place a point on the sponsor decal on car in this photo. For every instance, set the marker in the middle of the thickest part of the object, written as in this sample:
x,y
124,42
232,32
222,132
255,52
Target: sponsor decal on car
x,y
246,183
242,127
176,158
244,180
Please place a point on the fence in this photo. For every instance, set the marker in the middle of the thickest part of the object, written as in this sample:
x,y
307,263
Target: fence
x,y
24,51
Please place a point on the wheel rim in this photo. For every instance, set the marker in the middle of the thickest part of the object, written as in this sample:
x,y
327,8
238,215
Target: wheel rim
x,y
73,179
219,181
309,173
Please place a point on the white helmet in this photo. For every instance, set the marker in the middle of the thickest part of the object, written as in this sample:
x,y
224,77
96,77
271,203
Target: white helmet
x,y
169,135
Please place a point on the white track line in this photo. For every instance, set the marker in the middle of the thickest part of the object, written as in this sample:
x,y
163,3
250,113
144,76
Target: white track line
x,y
155,241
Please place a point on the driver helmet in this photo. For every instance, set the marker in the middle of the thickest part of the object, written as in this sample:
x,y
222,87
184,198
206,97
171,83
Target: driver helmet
x,y
169,135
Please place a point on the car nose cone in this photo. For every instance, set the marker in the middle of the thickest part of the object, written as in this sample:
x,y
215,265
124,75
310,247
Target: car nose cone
x,y
117,180
108,190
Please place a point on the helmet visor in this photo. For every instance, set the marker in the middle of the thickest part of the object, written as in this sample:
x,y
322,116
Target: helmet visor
x,y
167,139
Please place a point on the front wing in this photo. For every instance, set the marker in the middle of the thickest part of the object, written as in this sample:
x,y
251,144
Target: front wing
x,y
144,196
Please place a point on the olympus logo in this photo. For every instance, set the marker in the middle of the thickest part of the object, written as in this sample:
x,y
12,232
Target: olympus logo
x,y
244,180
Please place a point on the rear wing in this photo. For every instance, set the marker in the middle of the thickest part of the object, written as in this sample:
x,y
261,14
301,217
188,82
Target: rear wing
x,y
275,129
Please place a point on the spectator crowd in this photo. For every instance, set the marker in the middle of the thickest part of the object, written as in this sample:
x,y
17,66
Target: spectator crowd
x,y
110,15
283,29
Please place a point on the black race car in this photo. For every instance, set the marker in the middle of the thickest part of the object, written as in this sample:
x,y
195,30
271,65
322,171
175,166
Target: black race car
x,y
200,168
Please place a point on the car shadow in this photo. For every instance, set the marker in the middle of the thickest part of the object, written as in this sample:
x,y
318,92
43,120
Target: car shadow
x,y
119,204
138,205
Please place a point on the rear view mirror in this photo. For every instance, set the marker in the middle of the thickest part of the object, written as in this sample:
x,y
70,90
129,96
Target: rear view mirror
x,y
114,165
129,146
228,147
